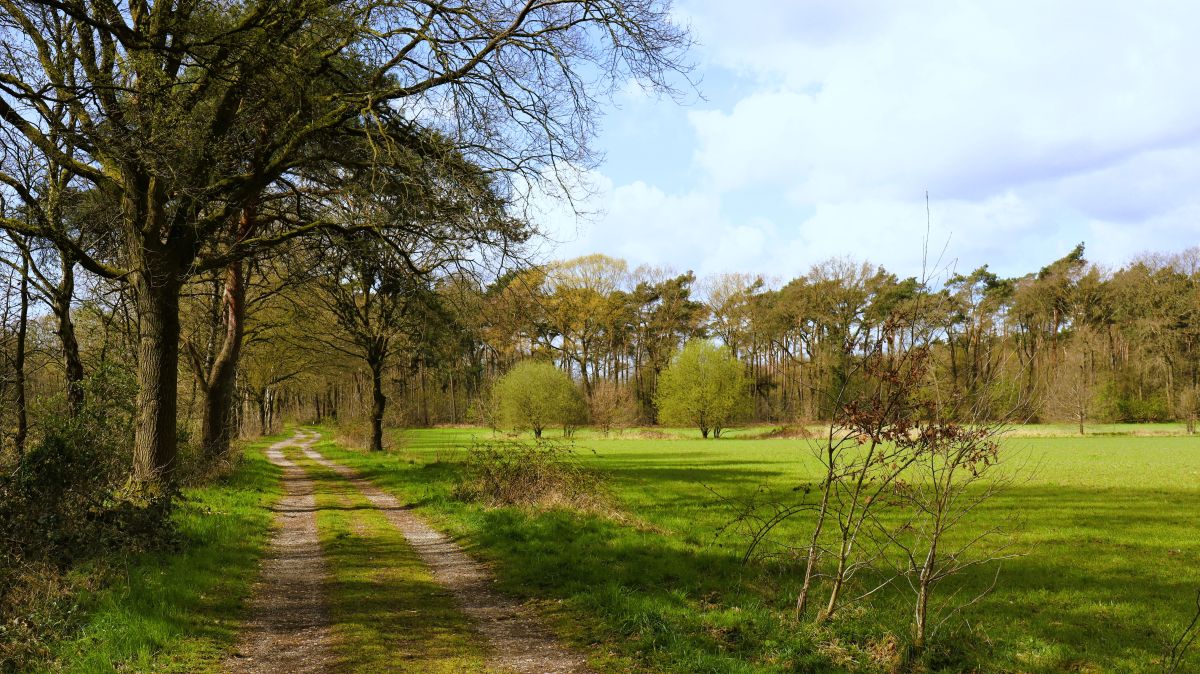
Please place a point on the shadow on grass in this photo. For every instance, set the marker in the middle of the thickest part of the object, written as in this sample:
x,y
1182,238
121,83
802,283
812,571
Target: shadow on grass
x,y
390,615
1106,576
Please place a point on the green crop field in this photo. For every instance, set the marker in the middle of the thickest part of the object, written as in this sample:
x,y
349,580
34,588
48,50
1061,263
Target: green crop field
x,y
1108,568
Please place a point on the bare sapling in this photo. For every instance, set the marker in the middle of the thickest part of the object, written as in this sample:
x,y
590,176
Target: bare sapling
x,y
956,471
879,424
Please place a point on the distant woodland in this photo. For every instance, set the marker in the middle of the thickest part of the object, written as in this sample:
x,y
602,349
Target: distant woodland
x,y
330,333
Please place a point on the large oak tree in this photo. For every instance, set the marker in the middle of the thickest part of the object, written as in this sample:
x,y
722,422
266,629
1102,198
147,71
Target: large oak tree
x,y
184,115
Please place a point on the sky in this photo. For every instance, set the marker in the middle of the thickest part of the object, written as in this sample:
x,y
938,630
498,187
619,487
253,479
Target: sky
x,y
820,125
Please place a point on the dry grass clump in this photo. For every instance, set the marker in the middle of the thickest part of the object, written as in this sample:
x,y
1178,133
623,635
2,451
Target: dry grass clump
x,y
786,432
652,434
539,474
354,433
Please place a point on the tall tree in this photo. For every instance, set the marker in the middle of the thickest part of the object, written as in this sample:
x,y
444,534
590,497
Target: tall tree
x,y
187,115
380,289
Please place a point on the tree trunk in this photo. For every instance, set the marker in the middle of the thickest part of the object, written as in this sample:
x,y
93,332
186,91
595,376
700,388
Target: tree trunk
x,y
810,564
154,447
19,361
67,337
839,581
262,413
424,395
378,404
924,587
222,377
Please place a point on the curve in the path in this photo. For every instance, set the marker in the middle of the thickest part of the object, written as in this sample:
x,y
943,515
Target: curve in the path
x,y
518,640
288,629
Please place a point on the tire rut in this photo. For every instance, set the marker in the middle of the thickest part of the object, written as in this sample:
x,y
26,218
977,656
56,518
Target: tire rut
x,y
518,640
289,628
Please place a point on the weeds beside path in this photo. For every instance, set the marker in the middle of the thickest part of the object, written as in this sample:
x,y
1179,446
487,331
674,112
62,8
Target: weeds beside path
x,y
179,610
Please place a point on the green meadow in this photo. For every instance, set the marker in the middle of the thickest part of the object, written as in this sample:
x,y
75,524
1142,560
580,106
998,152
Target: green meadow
x,y
1107,571
1105,529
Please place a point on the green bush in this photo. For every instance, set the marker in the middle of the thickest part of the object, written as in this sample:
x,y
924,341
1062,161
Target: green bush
x,y
535,395
705,387
67,500
1137,411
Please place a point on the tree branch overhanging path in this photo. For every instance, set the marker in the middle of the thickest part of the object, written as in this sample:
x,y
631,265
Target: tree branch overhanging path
x,y
178,118
290,629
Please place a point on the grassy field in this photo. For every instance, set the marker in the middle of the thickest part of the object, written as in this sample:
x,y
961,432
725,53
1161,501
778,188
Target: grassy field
x,y
1111,554
179,610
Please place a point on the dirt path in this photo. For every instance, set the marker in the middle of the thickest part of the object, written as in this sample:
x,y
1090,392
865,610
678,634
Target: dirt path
x,y
288,630
518,641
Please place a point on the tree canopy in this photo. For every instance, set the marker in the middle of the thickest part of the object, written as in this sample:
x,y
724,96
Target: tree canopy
x,y
212,132
705,387
534,395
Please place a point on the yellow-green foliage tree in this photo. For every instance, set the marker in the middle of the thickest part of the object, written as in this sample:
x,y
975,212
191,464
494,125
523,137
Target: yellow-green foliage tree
x,y
535,395
705,387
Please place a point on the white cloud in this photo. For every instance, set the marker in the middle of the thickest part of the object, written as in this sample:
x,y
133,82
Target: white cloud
x,y
963,99
1033,126
646,225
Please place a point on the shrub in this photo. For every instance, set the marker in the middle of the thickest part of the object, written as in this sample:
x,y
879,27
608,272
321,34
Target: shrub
x,y
65,500
535,395
354,432
68,493
543,473
611,407
705,387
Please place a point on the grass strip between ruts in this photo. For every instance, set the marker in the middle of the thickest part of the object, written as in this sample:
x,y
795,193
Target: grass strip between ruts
x,y
388,613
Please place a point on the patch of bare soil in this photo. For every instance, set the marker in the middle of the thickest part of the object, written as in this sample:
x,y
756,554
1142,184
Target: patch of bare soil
x,y
289,629
518,640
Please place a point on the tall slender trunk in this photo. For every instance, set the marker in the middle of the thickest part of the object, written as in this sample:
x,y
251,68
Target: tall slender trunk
x,y
19,360
154,448
66,334
378,403
222,376
262,413
424,394
218,423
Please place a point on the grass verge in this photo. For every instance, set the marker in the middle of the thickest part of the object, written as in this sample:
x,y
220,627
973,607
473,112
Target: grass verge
x,y
178,610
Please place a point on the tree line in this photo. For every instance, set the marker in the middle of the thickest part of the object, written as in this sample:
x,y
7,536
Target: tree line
x,y
1071,341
